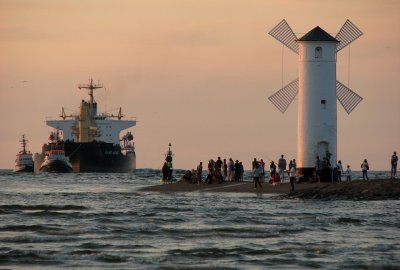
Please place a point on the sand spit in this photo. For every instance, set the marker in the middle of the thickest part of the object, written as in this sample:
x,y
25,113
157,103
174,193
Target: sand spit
x,y
379,189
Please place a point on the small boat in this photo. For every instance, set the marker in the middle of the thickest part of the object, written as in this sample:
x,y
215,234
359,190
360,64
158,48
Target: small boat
x,y
24,159
55,159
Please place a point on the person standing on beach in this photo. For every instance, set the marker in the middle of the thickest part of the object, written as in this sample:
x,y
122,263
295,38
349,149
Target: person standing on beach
x,y
393,163
225,169
339,170
348,173
210,175
254,164
231,170
241,171
237,171
257,174
272,168
318,168
292,175
199,172
365,168
290,165
282,167
262,163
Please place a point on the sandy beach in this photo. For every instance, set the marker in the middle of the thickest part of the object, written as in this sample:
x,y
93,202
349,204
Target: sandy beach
x,y
380,189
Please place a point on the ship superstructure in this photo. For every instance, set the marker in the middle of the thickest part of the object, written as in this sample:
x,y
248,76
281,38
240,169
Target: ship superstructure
x,y
93,141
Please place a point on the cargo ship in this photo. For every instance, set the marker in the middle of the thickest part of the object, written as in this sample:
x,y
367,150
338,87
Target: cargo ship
x,y
92,141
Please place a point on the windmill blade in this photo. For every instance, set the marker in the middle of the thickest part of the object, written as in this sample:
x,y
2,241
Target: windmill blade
x,y
347,34
284,97
346,97
283,33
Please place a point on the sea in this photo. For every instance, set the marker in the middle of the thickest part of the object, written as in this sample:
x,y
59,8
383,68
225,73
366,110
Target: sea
x,y
103,221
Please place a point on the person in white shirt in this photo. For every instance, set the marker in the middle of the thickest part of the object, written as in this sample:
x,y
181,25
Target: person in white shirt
x,y
257,173
348,173
365,168
340,170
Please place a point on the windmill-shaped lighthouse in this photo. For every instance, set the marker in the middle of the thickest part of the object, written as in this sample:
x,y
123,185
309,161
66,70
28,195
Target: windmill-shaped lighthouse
x,y
318,90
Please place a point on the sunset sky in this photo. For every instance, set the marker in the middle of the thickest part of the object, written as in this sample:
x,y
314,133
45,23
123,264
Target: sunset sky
x,y
197,74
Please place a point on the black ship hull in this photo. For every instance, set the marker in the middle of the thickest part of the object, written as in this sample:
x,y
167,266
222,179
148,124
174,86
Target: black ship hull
x,y
56,166
23,168
97,157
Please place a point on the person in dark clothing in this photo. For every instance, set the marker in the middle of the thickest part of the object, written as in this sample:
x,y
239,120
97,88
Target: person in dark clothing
x,y
254,164
237,171
165,171
272,168
225,169
292,176
199,172
187,177
219,163
210,175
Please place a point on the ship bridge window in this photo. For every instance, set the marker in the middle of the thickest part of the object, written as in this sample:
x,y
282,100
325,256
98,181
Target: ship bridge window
x,y
318,52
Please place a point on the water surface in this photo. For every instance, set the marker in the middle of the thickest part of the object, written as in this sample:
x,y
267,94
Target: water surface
x,y
102,221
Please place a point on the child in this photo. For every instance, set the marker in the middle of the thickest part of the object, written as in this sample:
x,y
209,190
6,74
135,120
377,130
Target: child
x,y
348,173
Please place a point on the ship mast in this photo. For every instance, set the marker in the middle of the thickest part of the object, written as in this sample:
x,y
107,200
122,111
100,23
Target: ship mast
x,y
23,141
91,86
87,130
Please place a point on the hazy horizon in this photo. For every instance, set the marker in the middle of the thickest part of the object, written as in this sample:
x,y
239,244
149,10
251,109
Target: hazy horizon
x,y
196,74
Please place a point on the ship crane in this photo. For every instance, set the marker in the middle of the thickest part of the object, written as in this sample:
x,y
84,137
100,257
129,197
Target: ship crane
x,y
120,115
63,115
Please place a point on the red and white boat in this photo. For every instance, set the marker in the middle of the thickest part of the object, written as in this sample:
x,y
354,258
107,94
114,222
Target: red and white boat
x,y
55,159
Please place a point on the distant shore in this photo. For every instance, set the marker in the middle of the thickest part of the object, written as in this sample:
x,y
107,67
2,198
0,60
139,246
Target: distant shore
x,y
378,189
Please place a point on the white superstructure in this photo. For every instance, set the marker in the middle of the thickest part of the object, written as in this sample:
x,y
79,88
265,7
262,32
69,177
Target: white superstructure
x,y
107,127
88,126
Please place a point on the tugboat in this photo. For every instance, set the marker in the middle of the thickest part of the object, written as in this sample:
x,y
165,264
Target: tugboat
x,y
167,167
92,140
55,159
24,160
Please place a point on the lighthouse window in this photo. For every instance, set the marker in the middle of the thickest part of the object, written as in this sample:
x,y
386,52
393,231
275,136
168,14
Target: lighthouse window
x,y
323,103
318,52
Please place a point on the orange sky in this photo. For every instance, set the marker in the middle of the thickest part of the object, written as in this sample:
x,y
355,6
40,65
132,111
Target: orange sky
x,y
194,73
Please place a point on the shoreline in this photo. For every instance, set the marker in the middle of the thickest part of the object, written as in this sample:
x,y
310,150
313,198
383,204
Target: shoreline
x,y
378,189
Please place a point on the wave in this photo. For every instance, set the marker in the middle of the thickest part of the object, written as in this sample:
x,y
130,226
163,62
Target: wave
x,y
110,258
29,257
346,220
42,207
39,239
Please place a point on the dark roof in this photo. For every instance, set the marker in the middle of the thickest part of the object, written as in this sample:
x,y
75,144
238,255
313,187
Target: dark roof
x,y
317,34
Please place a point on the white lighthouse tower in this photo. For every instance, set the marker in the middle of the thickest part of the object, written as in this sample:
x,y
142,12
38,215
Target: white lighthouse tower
x,y
318,90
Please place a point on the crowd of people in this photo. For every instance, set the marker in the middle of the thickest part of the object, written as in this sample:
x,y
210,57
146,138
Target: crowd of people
x,y
222,170
218,171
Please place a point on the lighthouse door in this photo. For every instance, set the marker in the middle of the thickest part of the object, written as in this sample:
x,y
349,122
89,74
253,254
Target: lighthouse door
x,y
322,149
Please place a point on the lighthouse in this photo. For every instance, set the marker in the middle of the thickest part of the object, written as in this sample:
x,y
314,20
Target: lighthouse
x,y
317,90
